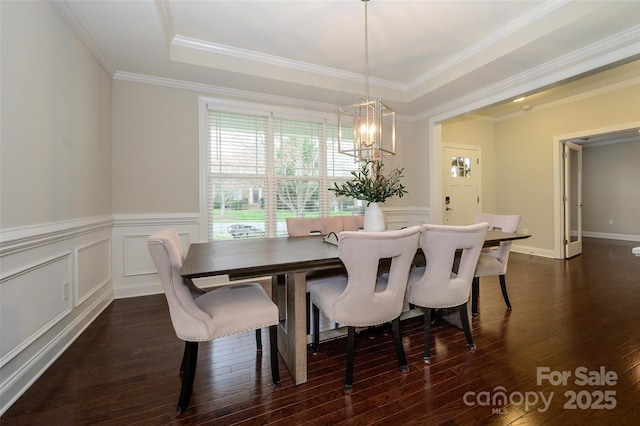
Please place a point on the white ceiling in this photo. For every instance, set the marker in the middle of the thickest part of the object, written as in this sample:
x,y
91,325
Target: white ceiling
x,y
425,57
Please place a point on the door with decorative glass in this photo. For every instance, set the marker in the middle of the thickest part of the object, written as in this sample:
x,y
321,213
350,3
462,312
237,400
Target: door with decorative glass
x,y
461,183
572,199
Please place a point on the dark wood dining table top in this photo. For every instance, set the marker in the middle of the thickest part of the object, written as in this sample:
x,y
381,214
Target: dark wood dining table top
x,y
256,257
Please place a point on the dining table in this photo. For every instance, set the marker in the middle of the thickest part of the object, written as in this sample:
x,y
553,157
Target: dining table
x,y
284,260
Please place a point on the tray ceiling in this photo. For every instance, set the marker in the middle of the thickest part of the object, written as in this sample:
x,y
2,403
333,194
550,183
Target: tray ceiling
x,y
424,56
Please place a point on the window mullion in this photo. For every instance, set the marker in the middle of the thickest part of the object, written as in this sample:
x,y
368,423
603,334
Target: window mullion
x,y
271,206
324,183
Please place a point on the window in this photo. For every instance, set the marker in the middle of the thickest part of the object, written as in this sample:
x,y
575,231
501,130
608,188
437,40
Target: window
x,y
263,166
460,167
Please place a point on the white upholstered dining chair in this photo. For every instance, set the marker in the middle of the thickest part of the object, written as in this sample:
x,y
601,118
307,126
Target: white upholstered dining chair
x,y
436,285
494,260
199,316
301,226
305,226
362,298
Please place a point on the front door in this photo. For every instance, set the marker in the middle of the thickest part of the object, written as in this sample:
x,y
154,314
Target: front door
x,y
572,199
461,182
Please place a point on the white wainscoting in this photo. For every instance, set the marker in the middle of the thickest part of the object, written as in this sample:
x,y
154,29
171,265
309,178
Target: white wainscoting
x,y
403,217
55,280
133,270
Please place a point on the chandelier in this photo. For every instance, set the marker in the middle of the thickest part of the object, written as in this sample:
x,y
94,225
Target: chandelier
x,y
371,123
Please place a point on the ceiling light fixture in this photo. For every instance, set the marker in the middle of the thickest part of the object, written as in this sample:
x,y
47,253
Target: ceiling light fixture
x,y
371,122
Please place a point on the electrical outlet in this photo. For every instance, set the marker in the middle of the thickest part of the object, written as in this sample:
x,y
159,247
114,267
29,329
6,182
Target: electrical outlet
x,y
610,221
65,291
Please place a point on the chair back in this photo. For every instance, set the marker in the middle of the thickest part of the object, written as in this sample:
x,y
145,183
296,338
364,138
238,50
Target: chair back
x,y
368,299
352,223
506,223
189,321
438,287
301,226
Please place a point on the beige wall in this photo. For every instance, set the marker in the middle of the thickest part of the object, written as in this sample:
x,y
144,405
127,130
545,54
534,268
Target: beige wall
x,y
413,155
610,188
55,205
155,149
524,154
466,131
56,121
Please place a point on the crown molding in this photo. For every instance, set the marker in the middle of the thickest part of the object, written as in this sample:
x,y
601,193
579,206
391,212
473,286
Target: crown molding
x,y
575,98
166,19
621,46
262,58
69,14
481,46
223,91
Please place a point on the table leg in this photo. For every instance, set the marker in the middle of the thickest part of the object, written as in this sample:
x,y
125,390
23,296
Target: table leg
x,y
292,336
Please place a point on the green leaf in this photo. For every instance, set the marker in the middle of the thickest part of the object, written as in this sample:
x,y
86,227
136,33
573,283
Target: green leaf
x,y
370,184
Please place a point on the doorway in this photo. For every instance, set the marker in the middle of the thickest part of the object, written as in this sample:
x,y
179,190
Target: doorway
x,y
567,236
461,184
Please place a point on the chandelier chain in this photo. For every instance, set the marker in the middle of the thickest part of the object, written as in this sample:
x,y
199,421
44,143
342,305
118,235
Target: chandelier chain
x,y
366,50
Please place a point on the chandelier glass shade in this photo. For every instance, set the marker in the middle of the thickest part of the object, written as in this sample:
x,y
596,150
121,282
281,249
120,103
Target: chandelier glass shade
x,y
367,130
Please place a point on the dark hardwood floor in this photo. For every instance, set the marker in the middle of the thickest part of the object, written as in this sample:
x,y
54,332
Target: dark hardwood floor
x,y
584,312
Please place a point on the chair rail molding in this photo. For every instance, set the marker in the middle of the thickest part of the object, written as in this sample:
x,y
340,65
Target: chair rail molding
x,y
28,237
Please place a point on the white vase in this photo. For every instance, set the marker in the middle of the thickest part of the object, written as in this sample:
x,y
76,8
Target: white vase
x,y
374,218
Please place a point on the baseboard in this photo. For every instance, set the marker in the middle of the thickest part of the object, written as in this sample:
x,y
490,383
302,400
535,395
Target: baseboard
x,y
516,248
610,236
16,385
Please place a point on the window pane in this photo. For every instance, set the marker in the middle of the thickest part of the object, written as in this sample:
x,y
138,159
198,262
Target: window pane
x,y
338,165
299,197
237,143
296,198
296,148
237,208
460,167
343,206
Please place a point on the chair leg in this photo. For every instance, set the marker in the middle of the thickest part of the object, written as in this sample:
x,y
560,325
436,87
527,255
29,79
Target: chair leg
x,y
259,340
316,330
351,343
503,287
189,361
273,346
475,292
183,363
427,336
397,341
464,319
